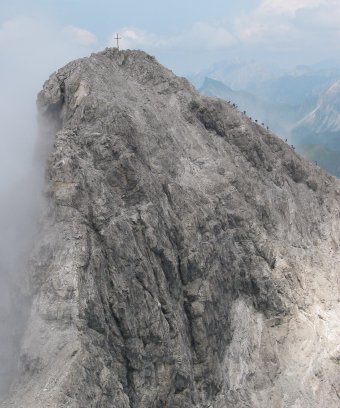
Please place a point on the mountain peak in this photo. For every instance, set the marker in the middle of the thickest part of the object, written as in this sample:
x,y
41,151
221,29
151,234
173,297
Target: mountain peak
x,y
185,252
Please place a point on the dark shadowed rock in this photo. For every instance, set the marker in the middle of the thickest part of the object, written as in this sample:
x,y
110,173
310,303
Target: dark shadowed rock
x,y
186,258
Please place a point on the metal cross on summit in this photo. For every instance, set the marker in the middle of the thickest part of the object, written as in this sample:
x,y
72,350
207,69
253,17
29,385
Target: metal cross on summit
x,y
118,38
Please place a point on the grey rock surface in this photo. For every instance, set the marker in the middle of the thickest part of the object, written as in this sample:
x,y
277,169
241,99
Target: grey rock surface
x,y
186,258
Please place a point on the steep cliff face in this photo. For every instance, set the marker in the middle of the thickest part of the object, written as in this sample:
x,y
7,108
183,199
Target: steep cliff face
x,y
324,117
186,257
321,126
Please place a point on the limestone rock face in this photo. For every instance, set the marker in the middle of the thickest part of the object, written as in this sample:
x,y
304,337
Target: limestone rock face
x,y
186,258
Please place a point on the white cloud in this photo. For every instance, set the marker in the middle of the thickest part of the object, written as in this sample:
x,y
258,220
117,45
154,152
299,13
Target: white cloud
x,y
38,37
19,30
80,35
286,24
202,35
290,22
325,17
209,36
133,37
286,7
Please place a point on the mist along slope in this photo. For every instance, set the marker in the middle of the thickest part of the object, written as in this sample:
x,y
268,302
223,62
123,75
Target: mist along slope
x,y
186,258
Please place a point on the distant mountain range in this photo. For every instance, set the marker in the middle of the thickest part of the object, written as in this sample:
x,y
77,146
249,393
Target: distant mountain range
x,y
326,158
301,104
278,117
321,125
239,75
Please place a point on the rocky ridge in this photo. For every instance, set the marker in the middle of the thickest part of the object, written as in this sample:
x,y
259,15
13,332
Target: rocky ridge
x,y
187,257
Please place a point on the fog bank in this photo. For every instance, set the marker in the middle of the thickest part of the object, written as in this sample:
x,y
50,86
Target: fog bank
x,y
31,49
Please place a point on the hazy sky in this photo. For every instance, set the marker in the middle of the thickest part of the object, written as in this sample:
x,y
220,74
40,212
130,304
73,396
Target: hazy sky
x,y
186,35
39,36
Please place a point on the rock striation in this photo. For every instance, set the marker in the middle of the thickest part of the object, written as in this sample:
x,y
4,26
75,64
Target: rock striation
x,y
186,256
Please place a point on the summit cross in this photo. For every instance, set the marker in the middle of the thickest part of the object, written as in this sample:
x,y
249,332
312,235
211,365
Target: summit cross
x,y
118,38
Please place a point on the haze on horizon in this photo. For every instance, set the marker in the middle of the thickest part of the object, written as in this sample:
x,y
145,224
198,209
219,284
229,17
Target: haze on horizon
x,y
185,36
